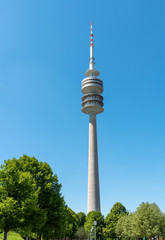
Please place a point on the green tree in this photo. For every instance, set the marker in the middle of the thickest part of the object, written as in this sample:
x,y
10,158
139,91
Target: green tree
x,y
81,218
125,227
148,219
116,212
81,233
99,218
50,199
18,198
71,224
162,226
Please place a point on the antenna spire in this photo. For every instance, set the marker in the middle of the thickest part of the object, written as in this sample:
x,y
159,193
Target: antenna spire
x,y
91,71
91,63
91,35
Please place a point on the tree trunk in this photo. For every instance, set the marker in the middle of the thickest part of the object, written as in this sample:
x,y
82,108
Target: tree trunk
x,y
5,233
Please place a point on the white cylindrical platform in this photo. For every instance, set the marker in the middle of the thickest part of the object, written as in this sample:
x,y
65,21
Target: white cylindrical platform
x,y
93,173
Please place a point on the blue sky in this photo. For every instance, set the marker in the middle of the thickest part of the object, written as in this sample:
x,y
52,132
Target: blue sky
x,y
44,52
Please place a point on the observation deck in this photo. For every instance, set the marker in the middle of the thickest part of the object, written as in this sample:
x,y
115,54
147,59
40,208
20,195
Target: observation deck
x,y
92,101
92,84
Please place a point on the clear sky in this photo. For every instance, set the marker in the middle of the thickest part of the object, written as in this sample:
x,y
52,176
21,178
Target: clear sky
x,y
44,52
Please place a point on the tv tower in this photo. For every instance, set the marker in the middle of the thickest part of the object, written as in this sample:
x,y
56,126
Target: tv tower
x,y
92,104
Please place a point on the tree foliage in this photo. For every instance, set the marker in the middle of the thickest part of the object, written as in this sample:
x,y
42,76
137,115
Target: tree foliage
x,y
99,218
81,219
116,212
146,221
124,227
18,198
31,200
71,224
81,233
49,196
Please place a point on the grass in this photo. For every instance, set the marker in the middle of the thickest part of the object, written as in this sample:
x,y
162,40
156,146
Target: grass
x,y
11,236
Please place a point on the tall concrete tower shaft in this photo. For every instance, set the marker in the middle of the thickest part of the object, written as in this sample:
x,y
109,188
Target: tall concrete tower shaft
x,y
92,104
